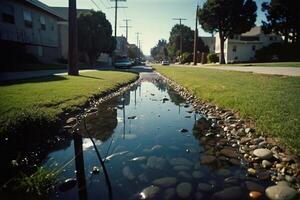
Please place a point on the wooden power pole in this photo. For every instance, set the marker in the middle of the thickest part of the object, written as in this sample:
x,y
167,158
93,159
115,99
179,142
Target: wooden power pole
x,y
73,42
196,39
126,26
180,19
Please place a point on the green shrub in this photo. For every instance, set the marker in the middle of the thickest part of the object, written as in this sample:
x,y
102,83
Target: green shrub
x,y
213,58
186,57
278,52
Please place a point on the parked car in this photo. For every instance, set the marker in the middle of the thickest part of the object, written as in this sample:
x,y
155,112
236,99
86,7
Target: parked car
x,y
165,62
123,63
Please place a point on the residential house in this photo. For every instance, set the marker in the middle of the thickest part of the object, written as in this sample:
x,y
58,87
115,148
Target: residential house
x,y
30,24
121,46
242,48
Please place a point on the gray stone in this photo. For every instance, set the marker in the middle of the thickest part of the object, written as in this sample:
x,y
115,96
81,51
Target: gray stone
x,y
181,167
266,164
180,161
280,192
184,190
232,193
165,182
184,175
169,193
156,162
128,173
229,152
197,174
223,172
204,187
71,121
207,160
265,154
149,192
252,186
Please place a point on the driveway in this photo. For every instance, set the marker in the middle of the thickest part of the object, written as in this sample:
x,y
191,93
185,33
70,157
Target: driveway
x,y
286,71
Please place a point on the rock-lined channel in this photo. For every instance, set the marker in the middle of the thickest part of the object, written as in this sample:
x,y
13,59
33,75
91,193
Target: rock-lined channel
x,y
158,147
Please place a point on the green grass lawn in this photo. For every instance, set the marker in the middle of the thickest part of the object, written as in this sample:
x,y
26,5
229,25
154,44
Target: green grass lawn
x,y
55,94
272,101
271,64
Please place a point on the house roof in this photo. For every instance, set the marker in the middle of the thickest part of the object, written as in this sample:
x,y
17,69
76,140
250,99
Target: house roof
x,y
44,7
64,11
254,31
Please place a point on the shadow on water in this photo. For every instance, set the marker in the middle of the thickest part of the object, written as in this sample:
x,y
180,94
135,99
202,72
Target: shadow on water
x,y
154,145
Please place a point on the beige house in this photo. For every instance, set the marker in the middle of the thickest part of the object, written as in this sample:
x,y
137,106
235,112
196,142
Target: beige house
x,y
31,24
241,48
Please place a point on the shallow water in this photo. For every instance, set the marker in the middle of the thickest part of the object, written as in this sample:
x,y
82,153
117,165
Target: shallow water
x,y
139,135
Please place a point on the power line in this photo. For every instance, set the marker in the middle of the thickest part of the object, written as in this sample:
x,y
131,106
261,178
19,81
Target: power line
x,y
95,4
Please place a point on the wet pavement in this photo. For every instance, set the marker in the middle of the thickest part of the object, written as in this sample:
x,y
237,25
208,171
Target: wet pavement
x,y
155,146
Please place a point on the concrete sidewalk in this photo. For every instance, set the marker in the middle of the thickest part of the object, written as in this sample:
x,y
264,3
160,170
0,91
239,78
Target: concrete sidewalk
x,y
286,71
8,76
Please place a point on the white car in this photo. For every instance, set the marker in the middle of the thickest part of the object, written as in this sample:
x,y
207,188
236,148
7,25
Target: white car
x,y
165,62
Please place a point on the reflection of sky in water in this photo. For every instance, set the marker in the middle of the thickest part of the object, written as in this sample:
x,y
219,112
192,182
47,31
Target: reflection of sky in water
x,y
154,135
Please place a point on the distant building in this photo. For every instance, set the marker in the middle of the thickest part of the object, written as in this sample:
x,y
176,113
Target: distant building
x,y
122,46
241,48
209,42
33,25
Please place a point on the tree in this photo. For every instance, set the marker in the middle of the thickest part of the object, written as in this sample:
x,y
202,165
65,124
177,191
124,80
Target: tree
x,y
283,17
174,40
228,17
160,52
95,35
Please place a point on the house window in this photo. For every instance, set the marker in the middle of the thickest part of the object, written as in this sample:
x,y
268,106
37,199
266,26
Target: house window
x,y
234,49
27,19
43,23
253,48
8,13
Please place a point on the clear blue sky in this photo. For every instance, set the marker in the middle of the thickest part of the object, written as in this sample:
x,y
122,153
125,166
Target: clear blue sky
x,y
152,18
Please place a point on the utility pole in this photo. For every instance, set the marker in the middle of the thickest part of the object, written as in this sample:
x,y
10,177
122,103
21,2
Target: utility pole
x,y
180,19
116,14
126,26
137,44
196,39
73,43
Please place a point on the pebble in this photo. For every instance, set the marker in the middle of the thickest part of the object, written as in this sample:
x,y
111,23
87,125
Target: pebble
x,y
279,192
266,164
231,193
149,192
206,160
71,121
128,173
223,172
251,171
180,161
255,195
265,154
181,167
184,190
184,175
197,174
165,182
156,162
169,193
228,152
252,186
204,187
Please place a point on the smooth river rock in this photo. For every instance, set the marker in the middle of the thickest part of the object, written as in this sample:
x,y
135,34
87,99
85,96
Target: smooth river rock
x,y
128,173
180,161
280,192
149,192
156,162
263,153
184,190
169,193
232,193
165,182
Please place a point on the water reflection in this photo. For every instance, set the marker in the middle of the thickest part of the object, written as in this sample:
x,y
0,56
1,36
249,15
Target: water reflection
x,y
146,151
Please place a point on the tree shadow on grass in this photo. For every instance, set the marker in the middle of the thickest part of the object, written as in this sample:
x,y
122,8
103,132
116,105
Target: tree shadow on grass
x,y
33,80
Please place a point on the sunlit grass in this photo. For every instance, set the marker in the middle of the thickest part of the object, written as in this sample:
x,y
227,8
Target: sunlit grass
x,y
272,101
